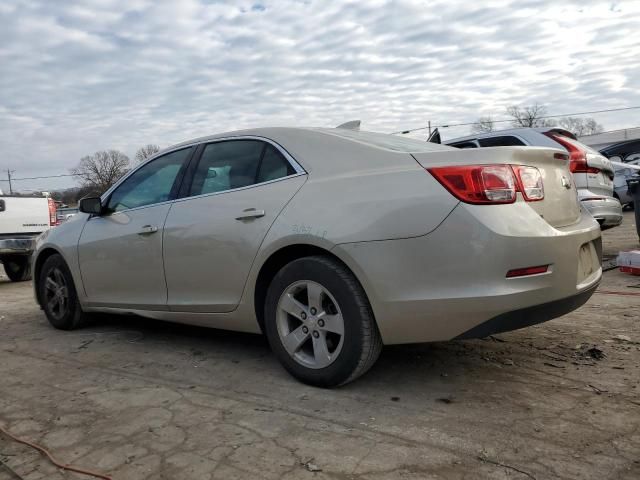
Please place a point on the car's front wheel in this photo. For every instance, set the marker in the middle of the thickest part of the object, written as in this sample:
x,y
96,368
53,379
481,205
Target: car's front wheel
x,y
319,322
57,294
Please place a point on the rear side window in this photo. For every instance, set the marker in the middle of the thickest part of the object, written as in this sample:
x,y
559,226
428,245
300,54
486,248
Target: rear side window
x,y
273,165
502,141
237,163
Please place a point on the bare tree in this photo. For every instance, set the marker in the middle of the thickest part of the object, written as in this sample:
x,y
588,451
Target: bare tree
x,y
580,126
145,152
101,170
531,116
484,124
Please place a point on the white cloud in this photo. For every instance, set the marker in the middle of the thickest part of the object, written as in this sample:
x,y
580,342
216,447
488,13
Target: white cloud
x,y
81,76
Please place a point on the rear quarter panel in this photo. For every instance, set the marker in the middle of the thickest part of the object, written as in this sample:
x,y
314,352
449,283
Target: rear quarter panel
x,y
357,192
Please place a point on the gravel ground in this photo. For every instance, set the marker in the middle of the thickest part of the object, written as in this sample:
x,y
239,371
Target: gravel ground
x,y
148,400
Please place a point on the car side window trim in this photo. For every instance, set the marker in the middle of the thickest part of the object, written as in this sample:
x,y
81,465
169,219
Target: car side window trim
x,y
195,161
175,188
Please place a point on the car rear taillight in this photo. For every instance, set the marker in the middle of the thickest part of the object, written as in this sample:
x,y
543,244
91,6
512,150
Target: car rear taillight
x,y
53,213
577,156
478,184
530,182
491,184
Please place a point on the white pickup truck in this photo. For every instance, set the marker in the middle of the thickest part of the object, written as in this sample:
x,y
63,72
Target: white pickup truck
x,y
22,219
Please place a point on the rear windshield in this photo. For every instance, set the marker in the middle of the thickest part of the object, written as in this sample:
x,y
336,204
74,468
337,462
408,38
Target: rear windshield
x,y
387,141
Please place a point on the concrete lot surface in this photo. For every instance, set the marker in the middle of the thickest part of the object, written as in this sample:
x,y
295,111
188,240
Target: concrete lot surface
x,y
148,400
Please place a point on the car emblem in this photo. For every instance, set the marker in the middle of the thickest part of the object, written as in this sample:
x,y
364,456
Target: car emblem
x,y
566,183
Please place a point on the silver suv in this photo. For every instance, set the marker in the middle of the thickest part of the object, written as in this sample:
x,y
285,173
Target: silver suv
x,y
592,172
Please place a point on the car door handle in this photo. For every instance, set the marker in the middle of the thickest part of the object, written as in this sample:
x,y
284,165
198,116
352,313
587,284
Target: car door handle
x,y
250,213
147,229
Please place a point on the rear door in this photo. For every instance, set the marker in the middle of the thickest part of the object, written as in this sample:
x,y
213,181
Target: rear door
x,y
212,235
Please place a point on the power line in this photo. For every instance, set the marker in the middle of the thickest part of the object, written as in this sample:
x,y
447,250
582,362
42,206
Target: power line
x,y
511,119
38,178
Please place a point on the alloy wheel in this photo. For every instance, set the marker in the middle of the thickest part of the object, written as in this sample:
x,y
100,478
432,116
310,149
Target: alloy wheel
x,y
56,294
310,324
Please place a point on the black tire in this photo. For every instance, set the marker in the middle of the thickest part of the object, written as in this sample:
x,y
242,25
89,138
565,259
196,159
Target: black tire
x,y
72,317
17,267
361,339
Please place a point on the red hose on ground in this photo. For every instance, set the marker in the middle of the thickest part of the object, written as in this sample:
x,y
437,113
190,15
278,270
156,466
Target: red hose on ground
x,y
45,452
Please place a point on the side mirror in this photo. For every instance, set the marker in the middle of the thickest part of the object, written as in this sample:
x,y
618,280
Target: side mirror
x,y
91,205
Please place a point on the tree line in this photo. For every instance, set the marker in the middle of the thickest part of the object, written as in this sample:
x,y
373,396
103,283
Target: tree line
x,y
534,116
98,172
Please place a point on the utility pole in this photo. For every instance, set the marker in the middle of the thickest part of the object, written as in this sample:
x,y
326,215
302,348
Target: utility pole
x,y
429,127
9,172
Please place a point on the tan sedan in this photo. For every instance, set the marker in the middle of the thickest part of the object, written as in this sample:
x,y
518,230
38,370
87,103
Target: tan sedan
x,y
332,242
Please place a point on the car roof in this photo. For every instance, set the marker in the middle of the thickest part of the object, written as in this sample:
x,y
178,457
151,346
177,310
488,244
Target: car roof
x,y
325,151
512,131
384,141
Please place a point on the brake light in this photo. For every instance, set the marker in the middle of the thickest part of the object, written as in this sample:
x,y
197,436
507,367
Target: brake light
x,y
530,182
53,213
478,184
491,184
577,156
523,272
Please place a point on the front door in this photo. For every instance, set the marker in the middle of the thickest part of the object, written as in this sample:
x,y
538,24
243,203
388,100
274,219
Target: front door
x,y
120,252
211,237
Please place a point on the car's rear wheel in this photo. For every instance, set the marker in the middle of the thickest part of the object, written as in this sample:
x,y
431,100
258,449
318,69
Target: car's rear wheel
x,y
319,322
17,267
57,294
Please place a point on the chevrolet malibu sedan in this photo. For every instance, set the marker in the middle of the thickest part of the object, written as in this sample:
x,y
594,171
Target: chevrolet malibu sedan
x,y
332,242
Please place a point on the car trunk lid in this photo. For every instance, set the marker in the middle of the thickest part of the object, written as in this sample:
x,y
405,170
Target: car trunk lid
x,y
559,207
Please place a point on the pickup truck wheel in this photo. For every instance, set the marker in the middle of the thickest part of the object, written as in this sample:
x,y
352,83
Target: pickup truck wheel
x,y
18,267
319,322
58,296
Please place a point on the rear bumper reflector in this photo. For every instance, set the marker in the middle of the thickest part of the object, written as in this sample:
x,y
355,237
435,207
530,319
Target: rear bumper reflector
x,y
523,272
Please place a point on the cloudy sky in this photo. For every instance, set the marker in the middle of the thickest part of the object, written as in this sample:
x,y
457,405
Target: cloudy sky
x,y
76,77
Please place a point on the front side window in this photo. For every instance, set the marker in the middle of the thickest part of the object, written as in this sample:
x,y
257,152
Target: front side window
x,y
235,164
150,184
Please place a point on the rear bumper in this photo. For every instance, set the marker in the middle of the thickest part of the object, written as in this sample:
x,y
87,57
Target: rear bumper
x,y
606,210
452,281
526,317
17,246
